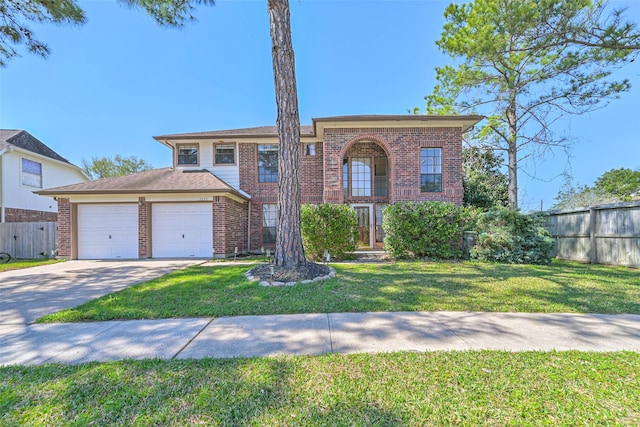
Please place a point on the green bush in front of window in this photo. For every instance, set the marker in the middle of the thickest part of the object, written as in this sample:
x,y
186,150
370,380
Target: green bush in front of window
x,y
328,227
508,236
425,229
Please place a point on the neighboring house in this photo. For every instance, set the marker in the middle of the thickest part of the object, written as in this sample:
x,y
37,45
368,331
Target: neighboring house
x,y
28,165
220,194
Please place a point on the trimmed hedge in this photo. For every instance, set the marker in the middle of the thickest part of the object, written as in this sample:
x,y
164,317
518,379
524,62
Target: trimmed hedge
x,y
328,227
425,229
508,236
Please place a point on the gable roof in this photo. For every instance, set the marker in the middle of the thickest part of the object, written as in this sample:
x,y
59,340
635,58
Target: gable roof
x,y
26,141
165,180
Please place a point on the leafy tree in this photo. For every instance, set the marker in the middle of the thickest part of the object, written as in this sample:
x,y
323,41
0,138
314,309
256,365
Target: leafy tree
x,y
509,71
106,167
485,185
289,248
590,28
623,182
615,185
581,196
14,15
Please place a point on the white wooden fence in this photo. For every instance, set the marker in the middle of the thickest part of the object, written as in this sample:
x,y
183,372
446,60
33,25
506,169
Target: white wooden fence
x,y
607,234
28,240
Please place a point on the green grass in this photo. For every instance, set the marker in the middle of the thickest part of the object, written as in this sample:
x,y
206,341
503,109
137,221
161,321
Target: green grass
x,y
222,290
16,264
398,389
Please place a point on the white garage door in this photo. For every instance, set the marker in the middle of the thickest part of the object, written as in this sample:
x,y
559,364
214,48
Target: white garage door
x,y
181,230
107,231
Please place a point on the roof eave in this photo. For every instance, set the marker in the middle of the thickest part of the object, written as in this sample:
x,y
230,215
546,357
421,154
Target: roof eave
x,y
56,193
66,163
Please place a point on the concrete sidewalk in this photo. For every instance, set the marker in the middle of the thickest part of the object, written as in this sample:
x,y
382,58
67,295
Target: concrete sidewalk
x,y
314,334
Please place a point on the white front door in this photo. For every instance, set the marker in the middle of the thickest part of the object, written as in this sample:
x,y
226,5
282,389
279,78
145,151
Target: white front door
x,y
108,231
181,230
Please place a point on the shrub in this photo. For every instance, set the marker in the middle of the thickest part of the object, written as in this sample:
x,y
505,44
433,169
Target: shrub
x,y
329,227
425,229
508,236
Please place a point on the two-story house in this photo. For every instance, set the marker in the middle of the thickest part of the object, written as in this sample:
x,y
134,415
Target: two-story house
x,y
28,165
220,195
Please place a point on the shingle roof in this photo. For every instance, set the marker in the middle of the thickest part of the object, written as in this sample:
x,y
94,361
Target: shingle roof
x,y
165,180
230,133
26,141
306,130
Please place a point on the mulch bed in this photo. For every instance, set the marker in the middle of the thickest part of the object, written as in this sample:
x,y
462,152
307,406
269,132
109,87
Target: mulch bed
x,y
308,271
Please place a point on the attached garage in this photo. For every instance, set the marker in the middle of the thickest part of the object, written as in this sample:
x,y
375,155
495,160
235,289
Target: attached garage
x,y
107,231
160,213
181,230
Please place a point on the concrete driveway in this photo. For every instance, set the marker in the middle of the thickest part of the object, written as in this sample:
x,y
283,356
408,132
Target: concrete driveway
x,y
27,294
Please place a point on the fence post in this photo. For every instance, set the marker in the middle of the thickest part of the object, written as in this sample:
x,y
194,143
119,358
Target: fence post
x,y
593,255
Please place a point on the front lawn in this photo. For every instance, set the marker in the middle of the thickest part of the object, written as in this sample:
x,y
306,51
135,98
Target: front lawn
x,y
16,264
222,290
398,389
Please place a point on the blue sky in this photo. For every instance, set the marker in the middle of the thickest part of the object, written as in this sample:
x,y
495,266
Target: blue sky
x,y
112,84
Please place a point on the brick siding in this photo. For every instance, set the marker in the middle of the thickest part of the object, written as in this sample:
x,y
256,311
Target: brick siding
x,y
64,228
229,226
311,186
402,146
143,231
321,175
320,181
27,215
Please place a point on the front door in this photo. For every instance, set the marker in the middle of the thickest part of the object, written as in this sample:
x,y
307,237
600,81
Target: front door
x,y
364,226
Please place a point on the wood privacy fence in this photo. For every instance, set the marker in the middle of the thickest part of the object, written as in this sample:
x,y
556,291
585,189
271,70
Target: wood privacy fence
x,y
608,234
28,240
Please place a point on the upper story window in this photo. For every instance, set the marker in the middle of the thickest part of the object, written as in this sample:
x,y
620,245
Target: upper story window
x,y
361,176
225,154
267,163
188,154
310,149
31,173
430,170
365,176
381,174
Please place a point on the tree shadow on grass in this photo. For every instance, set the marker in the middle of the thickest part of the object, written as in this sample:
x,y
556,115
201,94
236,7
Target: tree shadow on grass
x,y
572,287
230,392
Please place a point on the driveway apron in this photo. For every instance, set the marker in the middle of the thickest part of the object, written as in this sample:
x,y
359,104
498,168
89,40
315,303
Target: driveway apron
x,y
28,294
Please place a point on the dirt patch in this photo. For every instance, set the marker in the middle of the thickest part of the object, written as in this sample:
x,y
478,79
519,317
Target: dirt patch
x,y
308,271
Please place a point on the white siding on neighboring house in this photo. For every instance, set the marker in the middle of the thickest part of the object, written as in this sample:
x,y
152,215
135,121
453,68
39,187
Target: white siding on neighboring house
x,y
16,194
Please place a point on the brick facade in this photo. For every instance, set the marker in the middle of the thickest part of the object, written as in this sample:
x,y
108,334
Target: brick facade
x,y
27,215
402,146
64,228
143,230
321,175
239,224
229,226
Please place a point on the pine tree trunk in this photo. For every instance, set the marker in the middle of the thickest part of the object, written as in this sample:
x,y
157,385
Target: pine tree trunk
x,y
512,152
289,250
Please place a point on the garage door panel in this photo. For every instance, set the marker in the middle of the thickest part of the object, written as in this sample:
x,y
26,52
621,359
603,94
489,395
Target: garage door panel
x,y
182,230
107,231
